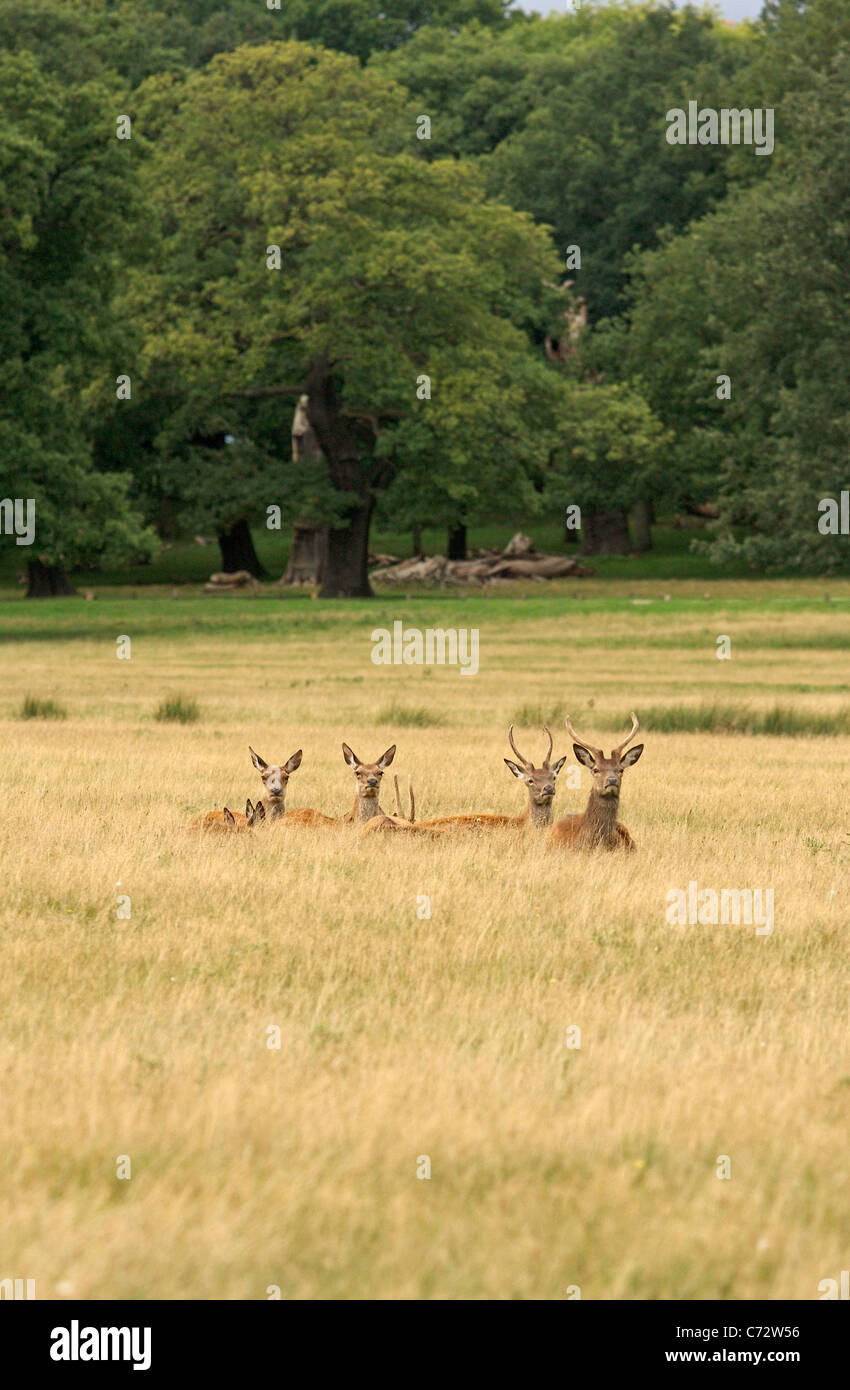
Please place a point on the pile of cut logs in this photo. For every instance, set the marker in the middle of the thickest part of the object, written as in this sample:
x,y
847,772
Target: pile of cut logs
x,y
519,560
225,583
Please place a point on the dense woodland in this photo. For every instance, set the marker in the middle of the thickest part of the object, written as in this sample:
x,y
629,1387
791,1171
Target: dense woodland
x,y
426,296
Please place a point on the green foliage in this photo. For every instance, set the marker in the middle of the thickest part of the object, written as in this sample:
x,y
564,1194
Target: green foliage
x,y
142,37
66,189
409,717
394,269
177,709
611,449
757,292
569,115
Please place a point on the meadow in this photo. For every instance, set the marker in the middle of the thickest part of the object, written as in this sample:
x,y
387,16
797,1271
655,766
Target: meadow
x,y
405,1037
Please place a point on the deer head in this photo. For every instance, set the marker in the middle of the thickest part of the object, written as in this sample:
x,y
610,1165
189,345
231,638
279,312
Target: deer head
x,y
539,780
607,772
275,777
368,777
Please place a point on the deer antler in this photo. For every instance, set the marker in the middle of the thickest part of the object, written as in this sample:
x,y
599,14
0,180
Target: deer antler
x,y
523,760
398,807
596,752
620,746
549,754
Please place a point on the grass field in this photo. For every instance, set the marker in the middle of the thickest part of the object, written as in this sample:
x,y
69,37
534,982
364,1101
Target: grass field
x,y
401,1036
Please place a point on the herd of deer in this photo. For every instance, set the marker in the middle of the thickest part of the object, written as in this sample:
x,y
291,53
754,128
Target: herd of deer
x,y
597,826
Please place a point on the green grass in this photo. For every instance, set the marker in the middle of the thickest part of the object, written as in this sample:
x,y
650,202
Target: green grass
x,y
33,708
409,717
740,719
749,610
178,710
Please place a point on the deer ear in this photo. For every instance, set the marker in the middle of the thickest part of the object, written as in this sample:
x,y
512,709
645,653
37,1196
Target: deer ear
x,y
249,809
386,758
228,817
514,769
350,756
632,755
557,768
583,755
258,762
294,762
259,811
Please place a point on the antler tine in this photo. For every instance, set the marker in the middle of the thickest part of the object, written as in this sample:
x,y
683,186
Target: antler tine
x,y
412,816
549,754
597,752
523,760
620,746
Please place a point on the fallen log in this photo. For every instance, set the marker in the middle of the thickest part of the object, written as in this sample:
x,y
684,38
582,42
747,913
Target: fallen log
x,y
223,582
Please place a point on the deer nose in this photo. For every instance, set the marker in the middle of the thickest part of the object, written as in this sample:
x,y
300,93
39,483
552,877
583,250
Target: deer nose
x,y
548,791
613,782
373,782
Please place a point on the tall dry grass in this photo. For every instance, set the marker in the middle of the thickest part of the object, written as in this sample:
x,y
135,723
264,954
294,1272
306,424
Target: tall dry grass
x,y
404,1036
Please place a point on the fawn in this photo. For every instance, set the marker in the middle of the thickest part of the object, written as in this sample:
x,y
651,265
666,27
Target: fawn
x,y
229,821
540,782
598,824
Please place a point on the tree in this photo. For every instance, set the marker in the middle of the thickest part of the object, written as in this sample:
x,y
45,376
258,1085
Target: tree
x,y
599,170
738,334
66,187
399,284
609,459
141,37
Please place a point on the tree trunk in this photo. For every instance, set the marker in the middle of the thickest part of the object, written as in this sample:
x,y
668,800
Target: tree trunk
x,y
347,442
48,581
417,540
606,532
237,551
640,518
347,557
307,556
457,542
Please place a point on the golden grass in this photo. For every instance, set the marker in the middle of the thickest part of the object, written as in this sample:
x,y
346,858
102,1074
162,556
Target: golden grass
x,y
402,1036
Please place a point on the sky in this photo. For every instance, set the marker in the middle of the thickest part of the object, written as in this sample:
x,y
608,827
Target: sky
x,y
730,9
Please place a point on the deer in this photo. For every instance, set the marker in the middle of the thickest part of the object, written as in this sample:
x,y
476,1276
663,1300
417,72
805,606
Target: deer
x,y
399,821
228,821
366,801
366,810
597,826
540,782
275,778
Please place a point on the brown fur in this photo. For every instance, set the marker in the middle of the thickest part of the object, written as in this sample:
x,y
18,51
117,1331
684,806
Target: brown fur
x,y
540,783
597,827
227,821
